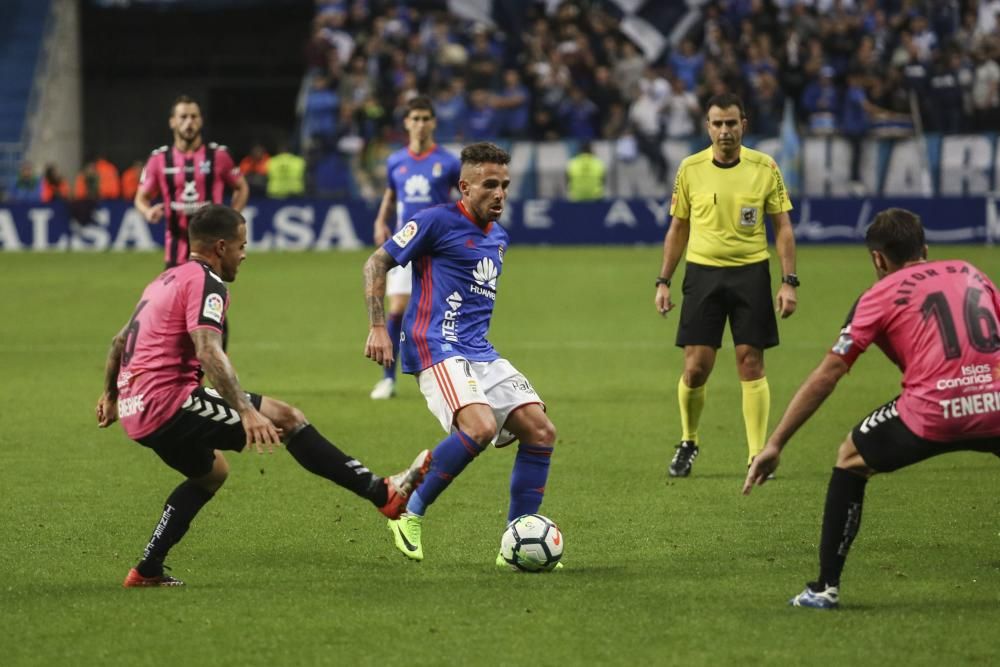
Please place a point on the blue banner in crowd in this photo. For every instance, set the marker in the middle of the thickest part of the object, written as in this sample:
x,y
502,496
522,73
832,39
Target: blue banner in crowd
x,y
298,225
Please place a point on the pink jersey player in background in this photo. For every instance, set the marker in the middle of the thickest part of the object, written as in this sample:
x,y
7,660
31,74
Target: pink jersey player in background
x,y
938,322
186,175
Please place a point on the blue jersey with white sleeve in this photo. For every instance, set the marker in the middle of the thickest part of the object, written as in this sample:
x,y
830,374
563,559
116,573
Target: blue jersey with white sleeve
x,y
456,269
421,180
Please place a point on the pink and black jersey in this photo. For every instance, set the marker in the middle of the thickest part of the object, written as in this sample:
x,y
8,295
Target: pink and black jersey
x,y
186,182
937,321
159,368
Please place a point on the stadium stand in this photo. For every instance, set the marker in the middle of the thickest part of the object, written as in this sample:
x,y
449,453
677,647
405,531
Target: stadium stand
x,y
630,75
856,68
21,36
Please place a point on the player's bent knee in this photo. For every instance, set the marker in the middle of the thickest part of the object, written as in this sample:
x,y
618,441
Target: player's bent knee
x,y
481,430
296,418
545,434
216,477
286,417
850,459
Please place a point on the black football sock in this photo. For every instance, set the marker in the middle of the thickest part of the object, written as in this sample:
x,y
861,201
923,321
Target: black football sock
x,y
321,457
181,507
841,521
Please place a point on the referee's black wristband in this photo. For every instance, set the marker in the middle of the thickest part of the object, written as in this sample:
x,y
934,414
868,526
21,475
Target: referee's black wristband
x,y
663,281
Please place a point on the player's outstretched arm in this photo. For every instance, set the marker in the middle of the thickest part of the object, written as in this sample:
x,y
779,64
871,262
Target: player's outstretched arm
x,y
261,432
673,247
378,347
107,404
817,387
385,210
784,242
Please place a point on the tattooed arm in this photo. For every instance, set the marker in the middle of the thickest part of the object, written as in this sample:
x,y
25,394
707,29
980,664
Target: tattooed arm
x,y
107,404
220,372
378,347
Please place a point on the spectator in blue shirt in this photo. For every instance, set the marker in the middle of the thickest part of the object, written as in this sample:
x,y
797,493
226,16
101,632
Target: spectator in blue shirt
x,y
483,120
451,111
579,115
855,121
514,103
821,102
319,121
686,63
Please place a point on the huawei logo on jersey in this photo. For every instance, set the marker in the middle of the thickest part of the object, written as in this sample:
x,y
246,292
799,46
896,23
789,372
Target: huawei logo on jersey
x,y
417,188
485,273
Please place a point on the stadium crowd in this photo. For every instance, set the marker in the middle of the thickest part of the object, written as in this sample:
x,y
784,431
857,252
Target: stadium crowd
x,y
848,67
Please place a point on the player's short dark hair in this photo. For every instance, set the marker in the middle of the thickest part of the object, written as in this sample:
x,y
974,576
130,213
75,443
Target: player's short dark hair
x,y
181,99
420,103
724,101
484,153
897,234
213,222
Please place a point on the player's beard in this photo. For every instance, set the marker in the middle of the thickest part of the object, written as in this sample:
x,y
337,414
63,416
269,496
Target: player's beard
x,y
189,137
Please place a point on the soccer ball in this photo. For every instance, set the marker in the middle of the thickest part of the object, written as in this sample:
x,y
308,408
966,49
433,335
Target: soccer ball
x,y
532,543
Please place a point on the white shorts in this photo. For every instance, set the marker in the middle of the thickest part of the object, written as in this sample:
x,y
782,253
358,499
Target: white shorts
x,y
454,383
399,281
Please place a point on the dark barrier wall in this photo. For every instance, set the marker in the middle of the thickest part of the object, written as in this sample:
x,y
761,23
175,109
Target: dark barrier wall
x,y
325,225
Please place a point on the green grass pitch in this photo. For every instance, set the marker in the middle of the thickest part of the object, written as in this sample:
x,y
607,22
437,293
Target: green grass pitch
x,y
285,569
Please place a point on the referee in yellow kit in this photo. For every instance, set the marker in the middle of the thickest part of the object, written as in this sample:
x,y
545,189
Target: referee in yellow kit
x,y
720,198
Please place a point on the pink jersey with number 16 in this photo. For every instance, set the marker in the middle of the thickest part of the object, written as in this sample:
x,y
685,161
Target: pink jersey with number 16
x,y
937,321
159,367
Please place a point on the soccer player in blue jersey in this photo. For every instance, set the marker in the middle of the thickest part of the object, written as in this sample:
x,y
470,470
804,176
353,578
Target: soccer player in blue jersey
x,y
420,175
457,251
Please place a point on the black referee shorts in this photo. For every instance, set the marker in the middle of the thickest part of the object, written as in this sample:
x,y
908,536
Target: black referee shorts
x,y
203,424
741,294
887,444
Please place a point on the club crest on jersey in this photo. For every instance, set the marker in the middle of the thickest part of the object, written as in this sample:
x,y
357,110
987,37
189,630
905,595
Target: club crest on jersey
x,y
748,216
406,234
436,170
190,193
206,167
212,310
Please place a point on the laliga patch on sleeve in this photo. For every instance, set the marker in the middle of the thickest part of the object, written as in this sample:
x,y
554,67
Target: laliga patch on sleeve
x,y
844,343
214,305
406,234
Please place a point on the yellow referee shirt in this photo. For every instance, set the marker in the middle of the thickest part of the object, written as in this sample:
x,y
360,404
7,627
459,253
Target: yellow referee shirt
x,y
726,205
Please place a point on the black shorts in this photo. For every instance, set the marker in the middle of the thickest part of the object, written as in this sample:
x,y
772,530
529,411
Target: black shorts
x,y
203,424
740,293
887,444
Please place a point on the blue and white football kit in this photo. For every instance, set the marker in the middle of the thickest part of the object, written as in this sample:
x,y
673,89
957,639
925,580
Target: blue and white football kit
x,y
456,272
418,181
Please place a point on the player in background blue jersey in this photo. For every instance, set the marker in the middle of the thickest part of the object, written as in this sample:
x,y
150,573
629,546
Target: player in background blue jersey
x,y
420,175
457,252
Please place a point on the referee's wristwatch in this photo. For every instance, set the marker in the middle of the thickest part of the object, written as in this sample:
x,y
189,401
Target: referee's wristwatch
x,y
790,279
663,281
